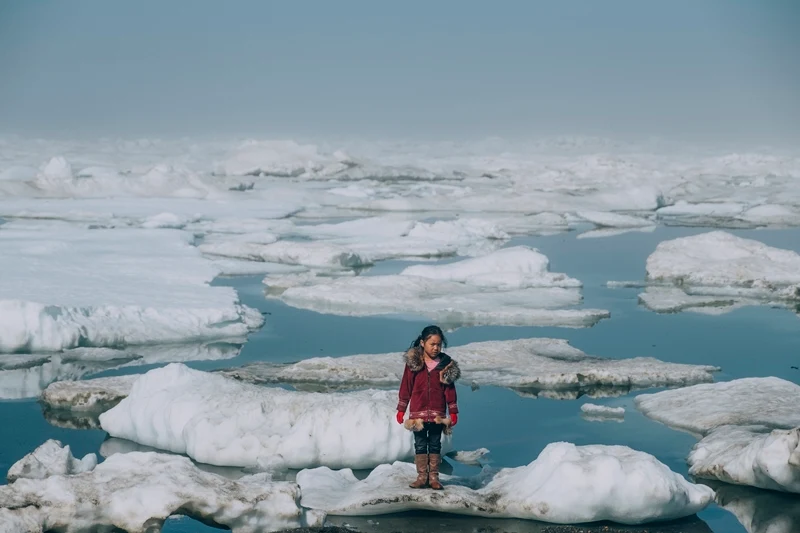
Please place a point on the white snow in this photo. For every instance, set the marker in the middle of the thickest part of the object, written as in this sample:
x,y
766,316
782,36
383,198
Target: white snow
x,y
472,457
749,428
312,254
512,286
720,259
613,220
768,401
533,364
49,459
565,484
138,491
517,267
219,421
602,411
110,288
750,455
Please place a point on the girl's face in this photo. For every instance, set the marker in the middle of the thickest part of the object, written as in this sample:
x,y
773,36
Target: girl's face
x,y
432,346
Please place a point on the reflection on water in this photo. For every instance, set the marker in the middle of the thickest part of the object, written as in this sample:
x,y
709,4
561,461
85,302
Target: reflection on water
x,y
759,511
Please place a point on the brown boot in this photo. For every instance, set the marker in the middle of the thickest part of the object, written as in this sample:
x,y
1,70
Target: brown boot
x,y
421,460
434,460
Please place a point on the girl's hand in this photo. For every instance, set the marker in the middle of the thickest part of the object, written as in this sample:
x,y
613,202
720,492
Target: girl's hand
x,y
400,415
453,419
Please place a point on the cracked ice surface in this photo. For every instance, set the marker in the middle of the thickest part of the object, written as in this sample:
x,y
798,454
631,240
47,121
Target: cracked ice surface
x,y
111,288
216,420
536,363
565,484
137,491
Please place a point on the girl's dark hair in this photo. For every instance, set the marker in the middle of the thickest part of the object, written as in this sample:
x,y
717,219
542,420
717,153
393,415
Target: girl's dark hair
x,y
428,332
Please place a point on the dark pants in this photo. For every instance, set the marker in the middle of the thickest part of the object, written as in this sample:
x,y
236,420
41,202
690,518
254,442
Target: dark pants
x,y
428,439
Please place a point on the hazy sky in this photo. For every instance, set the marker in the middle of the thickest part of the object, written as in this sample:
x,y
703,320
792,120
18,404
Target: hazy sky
x,y
444,69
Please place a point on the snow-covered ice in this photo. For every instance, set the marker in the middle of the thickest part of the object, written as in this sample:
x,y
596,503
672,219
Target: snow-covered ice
x,y
27,375
217,420
565,484
749,455
138,491
770,402
49,459
88,395
720,259
512,286
600,412
523,364
472,457
111,288
749,429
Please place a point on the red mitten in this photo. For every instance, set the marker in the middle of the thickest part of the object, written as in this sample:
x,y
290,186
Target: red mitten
x,y
400,415
453,419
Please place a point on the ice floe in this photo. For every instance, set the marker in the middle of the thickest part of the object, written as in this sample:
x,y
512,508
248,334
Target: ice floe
x,y
721,260
525,365
27,375
770,402
749,429
565,484
49,459
138,491
88,395
511,286
749,455
595,413
111,288
216,420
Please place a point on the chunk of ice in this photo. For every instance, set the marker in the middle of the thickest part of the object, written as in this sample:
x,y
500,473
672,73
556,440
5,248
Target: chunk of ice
x,y
138,491
566,484
50,459
111,288
219,421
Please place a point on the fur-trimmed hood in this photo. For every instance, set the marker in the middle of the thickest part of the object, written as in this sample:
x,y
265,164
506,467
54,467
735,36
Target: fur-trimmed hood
x,y
447,367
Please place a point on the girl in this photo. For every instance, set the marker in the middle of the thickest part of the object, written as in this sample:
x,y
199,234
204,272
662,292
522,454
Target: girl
x,y
429,386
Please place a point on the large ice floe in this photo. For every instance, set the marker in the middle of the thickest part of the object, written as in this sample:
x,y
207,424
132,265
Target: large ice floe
x,y
530,366
217,420
137,492
512,286
749,429
111,288
565,484
716,272
27,375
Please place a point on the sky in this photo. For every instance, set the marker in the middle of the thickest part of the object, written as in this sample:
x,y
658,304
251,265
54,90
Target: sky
x,y
444,70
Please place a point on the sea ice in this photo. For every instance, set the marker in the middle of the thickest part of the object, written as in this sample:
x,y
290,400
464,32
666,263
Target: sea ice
x,y
749,429
473,457
219,421
720,259
88,395
138,491
749,455
26,376
508,287
523,364
565,484
49,459
770,402
111,288
613,220
602,411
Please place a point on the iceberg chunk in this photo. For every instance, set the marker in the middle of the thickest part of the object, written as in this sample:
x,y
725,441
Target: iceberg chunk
x,y
523,364
566,484
138,491
219,421
111,288
49,459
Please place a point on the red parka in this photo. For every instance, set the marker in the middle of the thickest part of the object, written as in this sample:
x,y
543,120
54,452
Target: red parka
x,y
429,393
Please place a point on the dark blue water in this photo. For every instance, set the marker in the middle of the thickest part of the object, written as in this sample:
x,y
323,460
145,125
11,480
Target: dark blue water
x,y
754,341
